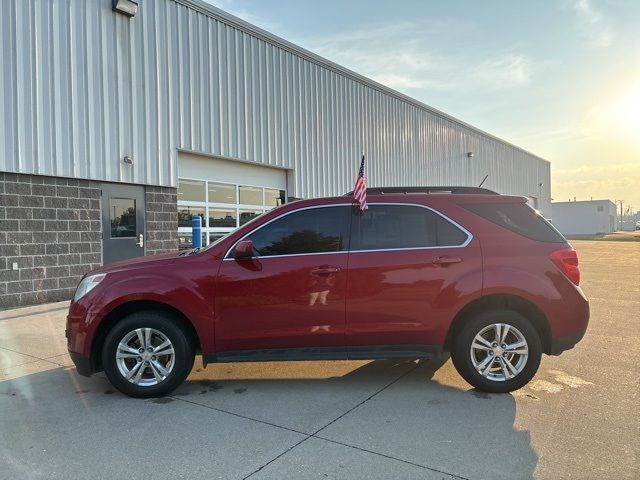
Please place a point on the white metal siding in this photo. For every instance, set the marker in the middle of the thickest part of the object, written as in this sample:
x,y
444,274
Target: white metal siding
x,y
82,86
583,218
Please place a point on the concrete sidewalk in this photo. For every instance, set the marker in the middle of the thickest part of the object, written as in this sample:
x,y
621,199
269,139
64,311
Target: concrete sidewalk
x,y
385,419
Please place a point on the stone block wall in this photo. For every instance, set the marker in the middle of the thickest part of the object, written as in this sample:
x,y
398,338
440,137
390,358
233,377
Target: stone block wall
x,y
161,219
50,235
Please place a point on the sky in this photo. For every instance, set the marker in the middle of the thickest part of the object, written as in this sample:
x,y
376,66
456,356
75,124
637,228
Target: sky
x,y
559,78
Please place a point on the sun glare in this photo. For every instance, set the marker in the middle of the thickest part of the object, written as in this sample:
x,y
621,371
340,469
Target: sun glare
x,y
621,115
626,110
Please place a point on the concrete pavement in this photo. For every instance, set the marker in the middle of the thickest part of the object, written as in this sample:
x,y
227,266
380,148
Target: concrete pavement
x,y
578,418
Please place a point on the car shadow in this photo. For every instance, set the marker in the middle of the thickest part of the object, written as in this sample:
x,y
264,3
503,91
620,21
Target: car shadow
x,y
415,411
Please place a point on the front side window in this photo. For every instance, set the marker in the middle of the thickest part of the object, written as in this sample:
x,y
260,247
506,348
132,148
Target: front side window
x,y
314,230
384,227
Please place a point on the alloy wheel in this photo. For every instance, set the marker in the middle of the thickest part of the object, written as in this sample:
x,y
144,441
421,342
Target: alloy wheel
x,y
145,357
499,352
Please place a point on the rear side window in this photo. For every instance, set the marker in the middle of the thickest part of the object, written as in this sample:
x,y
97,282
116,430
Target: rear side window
x,y
519,218
402,226
314,230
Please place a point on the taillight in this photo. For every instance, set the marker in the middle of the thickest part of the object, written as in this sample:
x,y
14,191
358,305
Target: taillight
x,y
567,261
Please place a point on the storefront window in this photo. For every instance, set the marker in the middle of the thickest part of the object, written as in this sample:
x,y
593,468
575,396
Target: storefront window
x,y
222,193
273,198
185,215
250,195
223,207
222,218
246,215
191,191
185,240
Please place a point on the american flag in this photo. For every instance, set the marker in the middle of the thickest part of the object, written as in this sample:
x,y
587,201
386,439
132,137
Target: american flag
x,y
360,190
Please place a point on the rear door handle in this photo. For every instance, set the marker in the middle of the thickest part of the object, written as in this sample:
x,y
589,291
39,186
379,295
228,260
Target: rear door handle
x,y
444,261
325,270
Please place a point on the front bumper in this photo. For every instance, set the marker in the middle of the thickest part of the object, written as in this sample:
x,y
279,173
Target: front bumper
x,y
560,344
83,363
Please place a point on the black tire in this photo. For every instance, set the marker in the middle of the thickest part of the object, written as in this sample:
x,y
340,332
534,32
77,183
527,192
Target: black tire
x,y
464,336
183,353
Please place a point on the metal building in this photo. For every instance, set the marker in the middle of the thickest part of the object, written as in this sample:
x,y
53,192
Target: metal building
x,y
585,217
114,130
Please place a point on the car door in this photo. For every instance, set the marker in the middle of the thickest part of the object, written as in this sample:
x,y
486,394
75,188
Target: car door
x,y
291,293
410,268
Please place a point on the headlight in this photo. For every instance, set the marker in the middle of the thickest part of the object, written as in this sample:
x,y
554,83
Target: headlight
x,y
87,284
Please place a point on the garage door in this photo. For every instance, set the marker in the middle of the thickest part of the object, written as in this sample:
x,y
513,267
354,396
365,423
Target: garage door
x,y
226,194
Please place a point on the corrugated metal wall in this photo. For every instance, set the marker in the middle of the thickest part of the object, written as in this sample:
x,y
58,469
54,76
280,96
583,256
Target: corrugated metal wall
x,y
82,86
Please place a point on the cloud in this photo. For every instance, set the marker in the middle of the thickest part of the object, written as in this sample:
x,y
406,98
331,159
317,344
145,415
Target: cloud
x,y
604,180
617,169
594,24
399,56
505,70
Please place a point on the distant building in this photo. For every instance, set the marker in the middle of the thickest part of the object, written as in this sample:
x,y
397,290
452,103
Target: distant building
x,y
588,217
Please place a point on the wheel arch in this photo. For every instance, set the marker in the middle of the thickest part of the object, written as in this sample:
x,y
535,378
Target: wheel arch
x,y
124,309
513,302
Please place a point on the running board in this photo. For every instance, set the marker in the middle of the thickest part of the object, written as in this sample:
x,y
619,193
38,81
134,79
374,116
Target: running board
x,y
366,352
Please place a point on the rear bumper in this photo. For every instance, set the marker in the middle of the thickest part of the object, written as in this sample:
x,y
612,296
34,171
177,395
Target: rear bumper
x,y
83,363
560,344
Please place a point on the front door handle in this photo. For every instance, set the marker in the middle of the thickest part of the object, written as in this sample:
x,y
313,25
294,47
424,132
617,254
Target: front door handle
x,y
325,270
140,241
445,261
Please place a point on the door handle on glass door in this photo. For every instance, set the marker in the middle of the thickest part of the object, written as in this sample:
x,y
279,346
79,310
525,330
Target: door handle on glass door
x,y
140,241
444,261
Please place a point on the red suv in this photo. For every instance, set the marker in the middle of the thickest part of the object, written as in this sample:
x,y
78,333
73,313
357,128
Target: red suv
x,y
422,271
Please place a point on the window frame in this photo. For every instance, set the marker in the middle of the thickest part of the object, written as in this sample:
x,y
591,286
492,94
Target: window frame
x,y
441,215
227,255
135,216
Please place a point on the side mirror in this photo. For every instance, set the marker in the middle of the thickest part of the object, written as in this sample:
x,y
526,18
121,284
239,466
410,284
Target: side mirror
x,y
243,249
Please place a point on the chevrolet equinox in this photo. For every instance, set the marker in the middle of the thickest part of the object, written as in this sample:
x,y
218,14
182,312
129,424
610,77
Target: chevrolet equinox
x,y
422,271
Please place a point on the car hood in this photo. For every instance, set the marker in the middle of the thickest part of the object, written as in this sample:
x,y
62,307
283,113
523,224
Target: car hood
x,y
140,262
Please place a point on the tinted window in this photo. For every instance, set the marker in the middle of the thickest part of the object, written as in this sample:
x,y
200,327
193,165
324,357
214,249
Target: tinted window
x,y
519,218
402,226
448,234
123,217
307,231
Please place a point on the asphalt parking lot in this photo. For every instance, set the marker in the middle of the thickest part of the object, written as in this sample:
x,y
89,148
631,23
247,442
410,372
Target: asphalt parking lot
x,y
579,417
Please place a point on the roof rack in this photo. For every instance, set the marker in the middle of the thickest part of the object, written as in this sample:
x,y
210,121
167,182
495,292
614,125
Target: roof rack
x,y
405,190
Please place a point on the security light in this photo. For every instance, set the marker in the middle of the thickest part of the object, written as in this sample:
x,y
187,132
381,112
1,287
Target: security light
x,y
469,154
128,7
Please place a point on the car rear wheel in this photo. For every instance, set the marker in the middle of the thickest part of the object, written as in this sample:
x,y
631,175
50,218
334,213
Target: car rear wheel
x,y
497,351
147,354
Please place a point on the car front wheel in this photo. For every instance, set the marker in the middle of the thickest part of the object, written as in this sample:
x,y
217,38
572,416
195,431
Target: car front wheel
x,y
147,354
497,351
